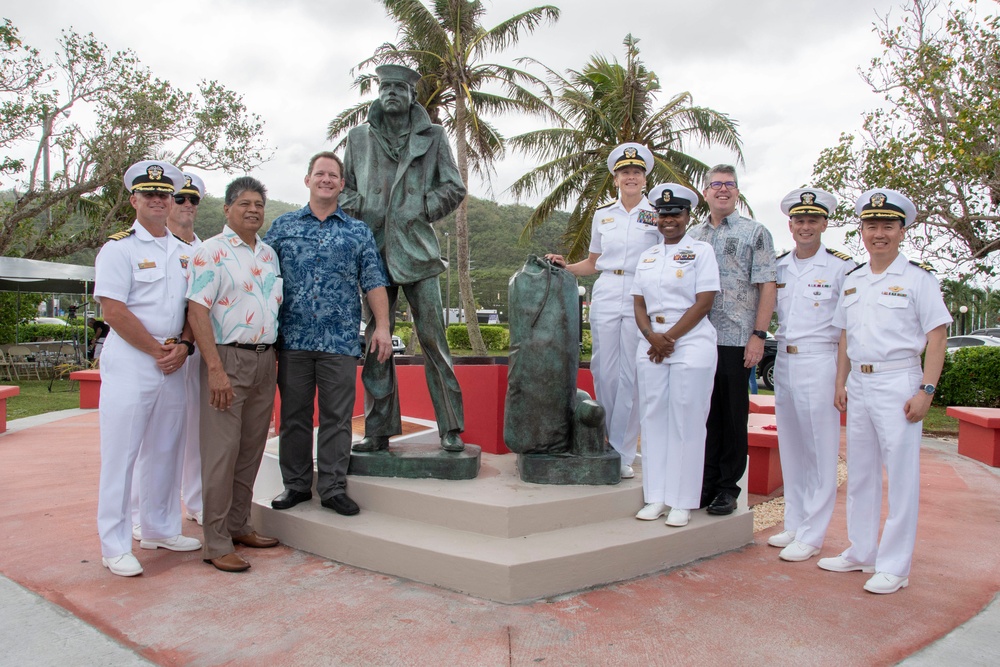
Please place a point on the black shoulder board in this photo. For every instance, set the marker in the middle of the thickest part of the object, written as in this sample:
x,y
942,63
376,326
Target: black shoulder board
x,y
855,268
926,267
121,235
783,254
610,203
179,239
840,255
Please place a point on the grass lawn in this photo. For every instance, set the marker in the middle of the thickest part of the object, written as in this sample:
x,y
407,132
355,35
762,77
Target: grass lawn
x,y
35,398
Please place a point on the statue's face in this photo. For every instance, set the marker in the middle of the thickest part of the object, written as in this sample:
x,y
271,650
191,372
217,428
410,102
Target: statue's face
x,y
395,96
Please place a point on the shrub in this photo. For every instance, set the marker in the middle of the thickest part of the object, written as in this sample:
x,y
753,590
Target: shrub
x,y
497,338
30,331
971,378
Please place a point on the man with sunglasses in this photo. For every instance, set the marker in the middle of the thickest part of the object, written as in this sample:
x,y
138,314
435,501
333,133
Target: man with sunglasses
x,y
141,282
180,223
740,314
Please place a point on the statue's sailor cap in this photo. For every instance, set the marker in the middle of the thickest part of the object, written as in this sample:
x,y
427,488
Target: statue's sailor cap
x,y
630,155
885,204
809,201
397,73
153,176
669,198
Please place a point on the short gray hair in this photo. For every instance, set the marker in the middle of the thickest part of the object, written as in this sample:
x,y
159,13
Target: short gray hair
x,y
721,169
241,185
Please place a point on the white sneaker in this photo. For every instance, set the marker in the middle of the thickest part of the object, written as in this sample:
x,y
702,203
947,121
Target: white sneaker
x,y
125,565
651,512
678,518
197,517
627,472
797,552
136,532
175,543
841,564
883,583
782,539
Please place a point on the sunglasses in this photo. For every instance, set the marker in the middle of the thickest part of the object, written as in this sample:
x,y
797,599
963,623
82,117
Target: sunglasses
x,y
194,199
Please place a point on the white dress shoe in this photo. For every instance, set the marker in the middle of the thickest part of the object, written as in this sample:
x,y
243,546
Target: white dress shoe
x,y
883,583
678,518
197,517
651,511
175,543
627,472
124,566
798,551
782,539
136,531
841,564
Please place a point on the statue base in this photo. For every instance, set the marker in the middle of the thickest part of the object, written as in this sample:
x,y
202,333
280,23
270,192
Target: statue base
x,y
417,461
570,468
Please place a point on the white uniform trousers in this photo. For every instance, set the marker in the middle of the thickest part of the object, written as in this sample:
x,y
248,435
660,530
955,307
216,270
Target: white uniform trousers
x,y
614,334
190,451
878,434
808,440
141,415
674,398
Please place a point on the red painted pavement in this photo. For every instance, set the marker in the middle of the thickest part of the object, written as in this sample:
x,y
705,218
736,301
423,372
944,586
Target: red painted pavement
x,y
745,607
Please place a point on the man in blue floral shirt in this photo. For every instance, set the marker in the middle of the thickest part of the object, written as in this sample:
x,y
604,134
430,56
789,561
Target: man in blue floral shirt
x,y
326,258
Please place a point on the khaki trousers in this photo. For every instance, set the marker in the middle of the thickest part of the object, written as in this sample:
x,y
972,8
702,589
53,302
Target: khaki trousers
x,y
232,444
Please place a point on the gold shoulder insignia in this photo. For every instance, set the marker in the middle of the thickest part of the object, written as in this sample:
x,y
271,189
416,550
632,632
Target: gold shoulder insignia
x,y
783,254
121,235
610,203
840,255
926,267
179,239
855,268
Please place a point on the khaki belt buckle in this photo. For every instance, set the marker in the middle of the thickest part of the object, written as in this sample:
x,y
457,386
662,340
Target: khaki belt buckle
x,y
792,349
867,368
619,272
660,319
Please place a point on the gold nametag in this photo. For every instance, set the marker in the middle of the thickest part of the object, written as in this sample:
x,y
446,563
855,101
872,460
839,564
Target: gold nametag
x,y
607,220
147,264
780,285
680,273
850,291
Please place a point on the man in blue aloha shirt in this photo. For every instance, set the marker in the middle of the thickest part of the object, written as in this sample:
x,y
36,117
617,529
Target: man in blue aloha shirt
x,y
326,258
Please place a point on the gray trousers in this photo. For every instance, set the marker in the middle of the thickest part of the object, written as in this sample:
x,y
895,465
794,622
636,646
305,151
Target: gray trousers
x,y
232,444
300,372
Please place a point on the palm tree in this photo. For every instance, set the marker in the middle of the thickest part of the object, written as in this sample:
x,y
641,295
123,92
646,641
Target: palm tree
x,y
446,44
602,106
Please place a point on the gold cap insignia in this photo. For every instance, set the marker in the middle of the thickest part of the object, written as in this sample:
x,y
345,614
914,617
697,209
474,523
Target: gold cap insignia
x,y
154,171
631,153
808,198
667,195
878,200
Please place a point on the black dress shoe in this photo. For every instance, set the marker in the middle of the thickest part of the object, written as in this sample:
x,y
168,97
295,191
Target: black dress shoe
x,y
341,504
371,443
290,498
722,505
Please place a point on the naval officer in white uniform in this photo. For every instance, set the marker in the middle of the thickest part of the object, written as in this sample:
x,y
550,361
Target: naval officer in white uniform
x,y
890,310
808,286
141,284
619,233
674,288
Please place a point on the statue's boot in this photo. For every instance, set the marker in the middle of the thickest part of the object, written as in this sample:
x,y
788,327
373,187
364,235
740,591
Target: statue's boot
x,y
371,443
452,442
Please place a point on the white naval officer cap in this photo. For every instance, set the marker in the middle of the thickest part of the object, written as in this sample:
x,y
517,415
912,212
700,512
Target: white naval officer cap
x,y
809,201
886,204
672,198
153,176
630,154
193,185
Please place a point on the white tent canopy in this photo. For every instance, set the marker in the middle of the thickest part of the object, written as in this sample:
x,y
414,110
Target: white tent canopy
x,y
31,275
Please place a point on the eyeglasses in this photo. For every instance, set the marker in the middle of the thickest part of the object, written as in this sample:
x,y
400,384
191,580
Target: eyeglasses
x,y
180,199
717,185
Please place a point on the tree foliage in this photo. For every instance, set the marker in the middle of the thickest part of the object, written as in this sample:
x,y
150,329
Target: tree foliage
x,y
601,106
936,137
72,124
447,44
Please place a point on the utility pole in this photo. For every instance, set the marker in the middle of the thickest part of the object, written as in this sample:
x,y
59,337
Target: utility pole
x,y
447,308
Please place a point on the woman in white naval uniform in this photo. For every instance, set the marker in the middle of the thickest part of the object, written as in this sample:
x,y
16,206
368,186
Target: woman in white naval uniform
x,y
675,284
809,280
619,233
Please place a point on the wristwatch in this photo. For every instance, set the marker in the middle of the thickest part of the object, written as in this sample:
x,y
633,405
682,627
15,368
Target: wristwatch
x,y
759,334
927,389
190,346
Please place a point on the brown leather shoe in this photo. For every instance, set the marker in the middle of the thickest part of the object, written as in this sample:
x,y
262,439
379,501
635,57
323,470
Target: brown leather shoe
x,y
231,562
255,541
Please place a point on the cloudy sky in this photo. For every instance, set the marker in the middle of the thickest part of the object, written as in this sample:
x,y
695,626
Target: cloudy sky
x,y
787,71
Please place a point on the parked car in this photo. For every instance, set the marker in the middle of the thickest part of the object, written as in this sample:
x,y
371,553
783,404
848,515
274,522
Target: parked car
x,y
765,369
398,347
955,342
50,320
993,331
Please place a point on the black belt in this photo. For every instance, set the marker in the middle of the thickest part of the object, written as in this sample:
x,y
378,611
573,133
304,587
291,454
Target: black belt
x,y
258,347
